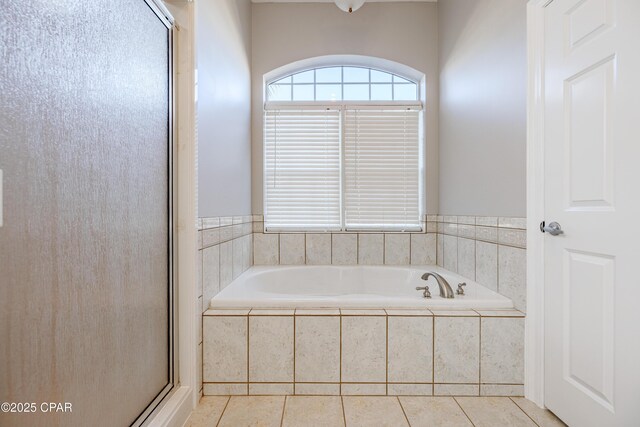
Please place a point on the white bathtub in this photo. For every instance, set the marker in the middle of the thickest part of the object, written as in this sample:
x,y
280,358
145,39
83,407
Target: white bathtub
x,y
350,286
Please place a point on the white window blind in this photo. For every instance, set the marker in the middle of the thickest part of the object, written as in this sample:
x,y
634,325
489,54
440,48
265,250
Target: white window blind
x,y
302,169
381,169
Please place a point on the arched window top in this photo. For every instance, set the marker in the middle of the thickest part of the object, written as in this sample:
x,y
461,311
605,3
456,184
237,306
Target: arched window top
x,y
342,83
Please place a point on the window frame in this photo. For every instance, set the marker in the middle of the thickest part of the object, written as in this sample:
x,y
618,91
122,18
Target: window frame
x,y
342,83
342,106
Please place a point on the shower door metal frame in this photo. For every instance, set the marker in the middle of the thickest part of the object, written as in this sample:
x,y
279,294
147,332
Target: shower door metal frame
x,y
163,14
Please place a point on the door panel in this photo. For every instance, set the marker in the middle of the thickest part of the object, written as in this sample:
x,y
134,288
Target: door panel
x,y
84,248
592,290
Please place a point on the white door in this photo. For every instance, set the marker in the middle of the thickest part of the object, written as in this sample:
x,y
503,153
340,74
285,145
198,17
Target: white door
x,y
592,189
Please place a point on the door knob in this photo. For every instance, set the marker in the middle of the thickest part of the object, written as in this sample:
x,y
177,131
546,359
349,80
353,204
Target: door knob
x,y
553,228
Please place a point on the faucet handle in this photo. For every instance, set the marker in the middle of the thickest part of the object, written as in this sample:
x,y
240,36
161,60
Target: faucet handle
x,y
460,290
426,293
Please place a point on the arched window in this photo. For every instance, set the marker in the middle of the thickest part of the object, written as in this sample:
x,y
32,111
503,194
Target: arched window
x,y
342,83
342,151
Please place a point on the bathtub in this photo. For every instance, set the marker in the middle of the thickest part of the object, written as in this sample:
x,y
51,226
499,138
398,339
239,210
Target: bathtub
x,y
350,287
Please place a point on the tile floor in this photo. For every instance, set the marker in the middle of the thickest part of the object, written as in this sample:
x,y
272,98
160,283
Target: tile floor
x,y
365,411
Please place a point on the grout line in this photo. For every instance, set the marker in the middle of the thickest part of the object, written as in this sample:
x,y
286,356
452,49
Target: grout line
x,y
344,416
386,356
248,353
294,352
284,405
462,409
480,356
525,412
403,411
340,362
433,354
223,411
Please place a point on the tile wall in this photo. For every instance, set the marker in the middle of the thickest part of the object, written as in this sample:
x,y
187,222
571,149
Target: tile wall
x,y
225,250
363,352
489,250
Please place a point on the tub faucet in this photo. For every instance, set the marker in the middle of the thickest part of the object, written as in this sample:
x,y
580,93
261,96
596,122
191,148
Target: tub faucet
x,y
445,289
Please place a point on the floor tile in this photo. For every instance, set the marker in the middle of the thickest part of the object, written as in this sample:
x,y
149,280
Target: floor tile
x,y
208,411
249,411
542,417
494,411
434,412
313,411
373,411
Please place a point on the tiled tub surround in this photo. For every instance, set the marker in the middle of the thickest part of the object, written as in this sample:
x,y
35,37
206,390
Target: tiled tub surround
x,y
363,352
225,250
489,250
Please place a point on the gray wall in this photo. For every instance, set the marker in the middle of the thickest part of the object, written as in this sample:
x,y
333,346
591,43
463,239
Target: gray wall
x,y
482,48
223,39
402,32
84,246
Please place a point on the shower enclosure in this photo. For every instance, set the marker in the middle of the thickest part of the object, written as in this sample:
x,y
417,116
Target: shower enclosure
x,y
86,276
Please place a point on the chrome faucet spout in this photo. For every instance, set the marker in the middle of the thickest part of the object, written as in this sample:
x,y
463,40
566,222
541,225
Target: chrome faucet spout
x,y
445,288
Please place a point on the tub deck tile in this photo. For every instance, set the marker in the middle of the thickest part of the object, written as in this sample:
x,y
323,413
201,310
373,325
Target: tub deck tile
x,y
362,312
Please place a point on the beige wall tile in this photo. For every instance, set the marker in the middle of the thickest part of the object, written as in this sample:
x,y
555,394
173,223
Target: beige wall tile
x,y
512,275
440,250
397,249
247,252
491,221
210,272
238,257
225,349
317,348
270,389
487,264
456,390
226,264
434,411
210,237
263,411
457,350
501,390
344,249
373,411
470,220
317,389
513,222
292,249
467,231
409,389
266,249
364,340
319,249
270,348
502,350
467,258
494,411
451,253
363,389
487,234
225,389
423,249
410,349
371,249
305,411
511,237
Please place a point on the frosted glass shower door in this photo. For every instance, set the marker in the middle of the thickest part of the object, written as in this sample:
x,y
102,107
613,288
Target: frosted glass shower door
x,y
86,241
